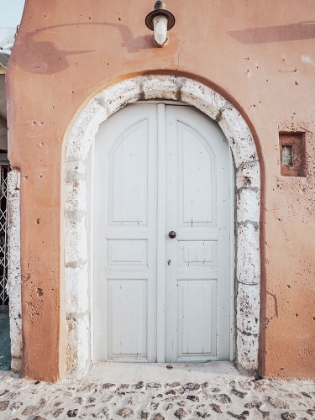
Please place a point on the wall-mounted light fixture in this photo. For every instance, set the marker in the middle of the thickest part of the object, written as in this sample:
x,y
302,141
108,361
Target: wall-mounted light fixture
x,y
160,21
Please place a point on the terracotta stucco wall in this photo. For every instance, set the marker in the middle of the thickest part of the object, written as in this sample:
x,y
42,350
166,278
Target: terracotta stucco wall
x,y
259,55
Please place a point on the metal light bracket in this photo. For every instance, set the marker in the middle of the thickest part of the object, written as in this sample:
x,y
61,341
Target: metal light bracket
x,y
160,12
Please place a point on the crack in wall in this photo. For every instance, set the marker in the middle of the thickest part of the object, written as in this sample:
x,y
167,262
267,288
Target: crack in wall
x,y
248,334
275,307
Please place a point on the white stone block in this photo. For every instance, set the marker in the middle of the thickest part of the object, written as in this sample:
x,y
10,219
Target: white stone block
x,y
75,169
76,196
239,136
14,271
119,95
159,87
248,257
77,151
248,307
78,354
81,135
247,351
248,205
248,175
77,289
17,364
76,240
16,336
202,97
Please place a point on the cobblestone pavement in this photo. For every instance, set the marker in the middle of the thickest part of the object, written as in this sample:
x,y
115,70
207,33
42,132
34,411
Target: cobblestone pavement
x,y
222,397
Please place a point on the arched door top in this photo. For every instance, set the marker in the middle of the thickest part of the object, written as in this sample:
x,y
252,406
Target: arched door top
x,y
78,145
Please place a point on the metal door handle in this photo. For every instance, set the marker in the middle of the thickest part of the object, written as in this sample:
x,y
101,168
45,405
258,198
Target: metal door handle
x,y
172,234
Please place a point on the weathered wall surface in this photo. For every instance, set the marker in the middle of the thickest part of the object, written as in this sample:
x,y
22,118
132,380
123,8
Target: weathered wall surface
x,y
260,56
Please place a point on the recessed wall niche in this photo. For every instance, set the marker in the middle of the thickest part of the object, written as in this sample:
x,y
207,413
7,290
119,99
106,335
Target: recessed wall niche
x,y
292,153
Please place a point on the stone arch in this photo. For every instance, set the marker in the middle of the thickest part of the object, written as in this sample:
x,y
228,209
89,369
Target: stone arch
x,y
76,205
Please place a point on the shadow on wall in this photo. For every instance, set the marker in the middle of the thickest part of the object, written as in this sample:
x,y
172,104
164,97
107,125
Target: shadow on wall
x,y
44,58
293,32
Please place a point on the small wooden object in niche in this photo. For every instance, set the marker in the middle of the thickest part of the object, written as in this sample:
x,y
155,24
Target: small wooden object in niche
x,y
292,153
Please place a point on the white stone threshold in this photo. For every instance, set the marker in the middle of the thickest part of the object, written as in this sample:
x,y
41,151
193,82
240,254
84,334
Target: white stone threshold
x,y
118,373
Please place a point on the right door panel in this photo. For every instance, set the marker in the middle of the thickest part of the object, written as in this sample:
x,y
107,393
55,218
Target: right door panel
x,y
198,294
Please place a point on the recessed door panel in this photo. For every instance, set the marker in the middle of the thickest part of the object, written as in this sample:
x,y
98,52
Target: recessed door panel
x,y
197,254
127,252
128,177
127,320
196,319
196,177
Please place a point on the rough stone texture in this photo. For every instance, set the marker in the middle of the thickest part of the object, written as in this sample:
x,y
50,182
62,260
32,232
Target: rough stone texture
x,y
75,187
120,94
14,271
239,136
247,249
4,405
248,205
125,413
277,403
76,248
248,175
159,87
78,355
248,305
222,397
85,129
77,293
203,98
247,349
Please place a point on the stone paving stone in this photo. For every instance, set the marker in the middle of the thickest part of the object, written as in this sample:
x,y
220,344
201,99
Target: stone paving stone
x,y
222,398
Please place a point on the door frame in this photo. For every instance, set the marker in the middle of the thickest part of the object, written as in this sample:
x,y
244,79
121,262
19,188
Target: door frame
x,y
77,200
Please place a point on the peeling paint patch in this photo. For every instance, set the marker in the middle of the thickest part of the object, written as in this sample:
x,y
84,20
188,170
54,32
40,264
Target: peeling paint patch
x,y
307,60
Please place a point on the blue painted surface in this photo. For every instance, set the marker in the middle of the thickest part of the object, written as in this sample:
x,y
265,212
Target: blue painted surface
x,y
5,352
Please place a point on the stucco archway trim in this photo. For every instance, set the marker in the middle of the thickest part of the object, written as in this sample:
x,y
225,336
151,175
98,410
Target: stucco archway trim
x,y
78,146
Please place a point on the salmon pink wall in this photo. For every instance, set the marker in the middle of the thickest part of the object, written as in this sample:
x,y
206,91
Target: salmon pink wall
x,y
258,55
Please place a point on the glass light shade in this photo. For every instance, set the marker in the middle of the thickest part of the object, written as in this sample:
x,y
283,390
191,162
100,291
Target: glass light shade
x,y
160,29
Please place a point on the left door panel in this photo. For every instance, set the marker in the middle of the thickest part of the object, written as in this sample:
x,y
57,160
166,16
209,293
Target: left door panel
x,y
125,214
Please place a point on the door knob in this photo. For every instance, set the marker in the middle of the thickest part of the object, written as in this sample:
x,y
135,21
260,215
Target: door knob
x,y
172,234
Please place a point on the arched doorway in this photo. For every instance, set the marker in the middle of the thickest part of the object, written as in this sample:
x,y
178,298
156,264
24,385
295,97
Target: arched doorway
x,y
77,199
